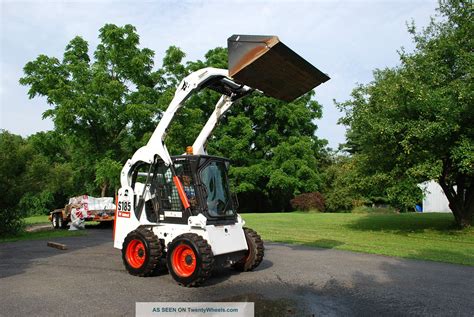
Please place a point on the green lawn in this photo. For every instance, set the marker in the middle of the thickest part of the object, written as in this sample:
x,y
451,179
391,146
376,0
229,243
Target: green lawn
x,y
36,220
429,236
48,234
33,220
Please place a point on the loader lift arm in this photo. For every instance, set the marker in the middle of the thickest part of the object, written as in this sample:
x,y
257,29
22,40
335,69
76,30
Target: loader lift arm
x,y
213,78
250,58
224,103
263,62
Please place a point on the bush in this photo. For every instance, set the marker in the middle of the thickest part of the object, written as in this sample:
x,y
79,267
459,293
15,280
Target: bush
x,y
309,202
34,204
11,222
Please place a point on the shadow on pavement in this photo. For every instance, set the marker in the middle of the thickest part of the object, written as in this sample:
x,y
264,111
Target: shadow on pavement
x,y
16,257
397,289
268,307
222,274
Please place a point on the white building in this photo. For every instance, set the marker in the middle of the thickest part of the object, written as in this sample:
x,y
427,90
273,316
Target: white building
x,y
434,198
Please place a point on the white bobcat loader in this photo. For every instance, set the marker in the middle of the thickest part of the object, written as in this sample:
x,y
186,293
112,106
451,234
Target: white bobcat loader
x,y
177,212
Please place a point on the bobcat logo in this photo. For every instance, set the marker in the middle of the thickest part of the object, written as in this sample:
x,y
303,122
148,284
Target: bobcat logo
x,y
185,85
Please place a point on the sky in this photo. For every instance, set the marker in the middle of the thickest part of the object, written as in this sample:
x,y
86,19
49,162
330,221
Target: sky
x,y
345,39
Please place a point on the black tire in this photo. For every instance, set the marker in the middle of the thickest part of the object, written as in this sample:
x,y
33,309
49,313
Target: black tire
x,y
197,259
255,252
60,221
54,221
141,252
162,267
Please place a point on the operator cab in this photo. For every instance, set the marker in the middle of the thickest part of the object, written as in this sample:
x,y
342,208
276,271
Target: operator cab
x,y
205,184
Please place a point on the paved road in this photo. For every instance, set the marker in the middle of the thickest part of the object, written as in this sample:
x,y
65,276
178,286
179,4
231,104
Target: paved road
x,y
89,279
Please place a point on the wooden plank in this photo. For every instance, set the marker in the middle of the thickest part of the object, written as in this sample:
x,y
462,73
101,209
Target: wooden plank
x,y
56,245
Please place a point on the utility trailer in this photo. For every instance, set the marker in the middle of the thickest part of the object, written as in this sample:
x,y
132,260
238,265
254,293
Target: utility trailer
x,y
84,208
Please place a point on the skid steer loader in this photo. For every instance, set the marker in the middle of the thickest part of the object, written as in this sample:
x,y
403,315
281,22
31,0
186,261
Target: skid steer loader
x,y
177,212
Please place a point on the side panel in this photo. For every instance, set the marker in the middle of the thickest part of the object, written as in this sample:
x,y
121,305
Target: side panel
x,y
222,239
226,239
126,220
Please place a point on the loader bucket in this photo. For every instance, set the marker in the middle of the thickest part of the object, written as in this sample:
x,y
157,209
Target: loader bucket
x,y
265,63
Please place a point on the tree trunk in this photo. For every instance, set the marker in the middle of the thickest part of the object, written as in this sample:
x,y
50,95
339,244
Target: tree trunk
x,y
461,201
103,190
464,220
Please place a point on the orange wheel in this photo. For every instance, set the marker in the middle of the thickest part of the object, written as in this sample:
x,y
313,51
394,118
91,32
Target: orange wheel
x,y
190,259
141,252
136,253
184,260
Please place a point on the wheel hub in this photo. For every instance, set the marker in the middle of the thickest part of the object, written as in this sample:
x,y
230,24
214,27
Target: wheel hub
x,y
184,260
188,260
135,253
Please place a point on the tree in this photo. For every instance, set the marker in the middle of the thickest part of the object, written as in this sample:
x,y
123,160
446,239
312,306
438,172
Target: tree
x,y
414,122
107,106
350,181
107,171
340,186
12,165
49,177
99,105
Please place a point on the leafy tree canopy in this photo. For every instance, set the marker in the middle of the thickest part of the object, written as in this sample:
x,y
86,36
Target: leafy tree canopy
x,y
414,122
106,105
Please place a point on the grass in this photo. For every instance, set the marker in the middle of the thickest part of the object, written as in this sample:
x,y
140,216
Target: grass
x,y
373,210
39,235
417,236
43,219
36,220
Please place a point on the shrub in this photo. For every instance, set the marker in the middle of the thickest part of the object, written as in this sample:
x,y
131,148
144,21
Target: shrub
x,y
11,222
33,204
309,202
